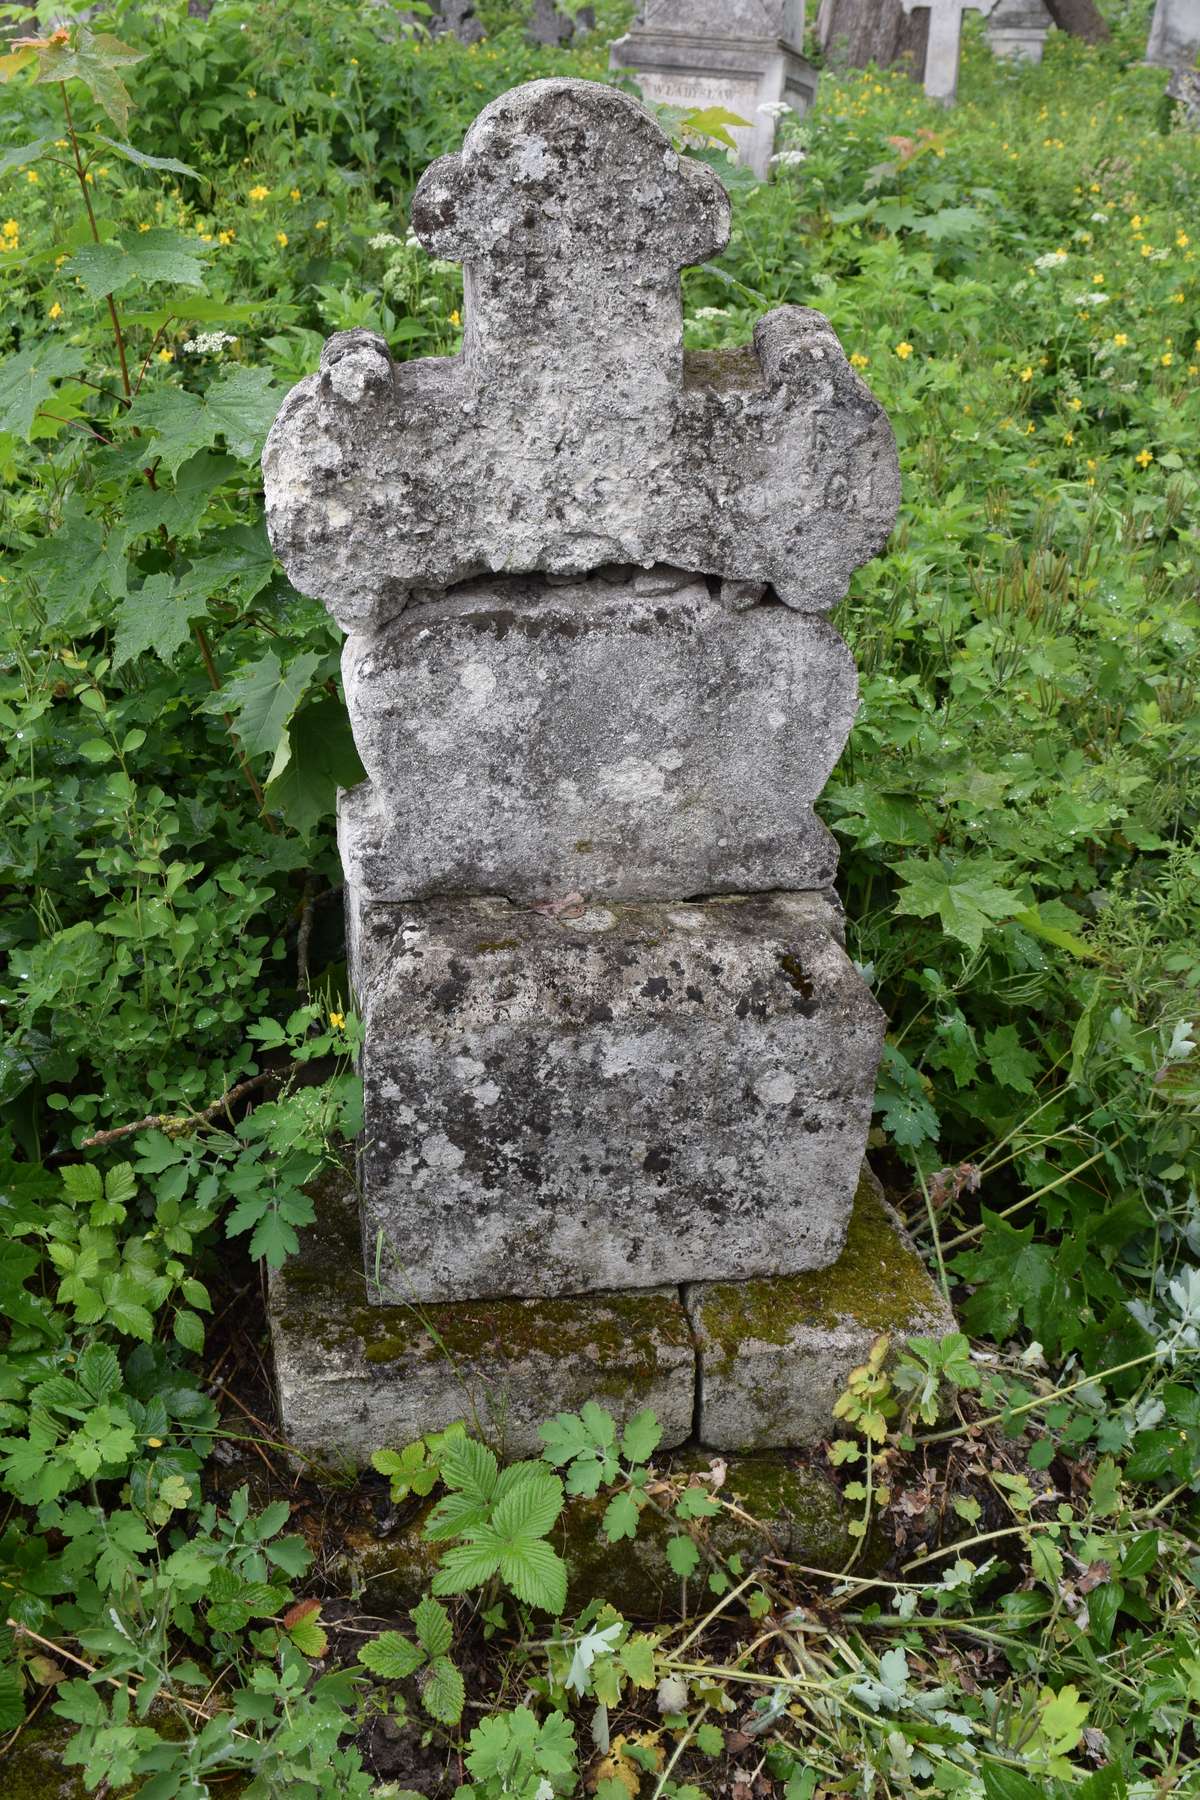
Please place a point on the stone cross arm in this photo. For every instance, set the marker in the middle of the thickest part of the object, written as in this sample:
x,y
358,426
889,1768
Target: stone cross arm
x,y
572,431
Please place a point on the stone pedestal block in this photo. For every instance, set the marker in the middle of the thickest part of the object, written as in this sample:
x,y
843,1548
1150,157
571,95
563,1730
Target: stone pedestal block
x,y
354,1375
610,737
1018,29
774,1355
1174,34
742,55
630,1096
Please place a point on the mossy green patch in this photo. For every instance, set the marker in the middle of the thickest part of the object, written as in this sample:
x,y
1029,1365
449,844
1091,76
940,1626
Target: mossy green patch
x,y
879,1282
625,1338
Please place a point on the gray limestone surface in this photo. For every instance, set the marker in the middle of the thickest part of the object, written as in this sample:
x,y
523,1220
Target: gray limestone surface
x,y
610,737
354,1374
572,432
945,42
727,18
1174,34
742,56
1184,89
775,1354
1019,28
549,25
607,1096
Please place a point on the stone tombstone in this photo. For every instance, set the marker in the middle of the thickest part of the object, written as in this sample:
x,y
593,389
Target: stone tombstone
x,y
550,26
1184,89
613,1045
456,18
1174,34
945,42
742,55
1018,29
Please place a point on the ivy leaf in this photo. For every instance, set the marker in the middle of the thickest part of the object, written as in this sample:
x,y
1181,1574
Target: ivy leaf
x,y
137,257
28,378
316,756
444,1694
93,58
966,900
264,698
158,617
1012,1066
165,164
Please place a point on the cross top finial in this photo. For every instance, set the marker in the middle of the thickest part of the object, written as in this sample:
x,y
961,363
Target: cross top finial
x,y
573,217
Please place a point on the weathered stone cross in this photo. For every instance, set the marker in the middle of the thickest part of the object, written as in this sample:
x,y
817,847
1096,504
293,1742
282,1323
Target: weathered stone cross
x,y
612,1042
572,431
945,42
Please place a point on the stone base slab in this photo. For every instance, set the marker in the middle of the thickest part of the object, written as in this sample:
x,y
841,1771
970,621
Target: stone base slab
x,y
738,1366
775,1355
614,1097
354,1376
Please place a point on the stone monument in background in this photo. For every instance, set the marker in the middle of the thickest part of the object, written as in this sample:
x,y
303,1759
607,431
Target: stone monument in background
x,y
1018,29
944,50
1174,34
742,55
618,1069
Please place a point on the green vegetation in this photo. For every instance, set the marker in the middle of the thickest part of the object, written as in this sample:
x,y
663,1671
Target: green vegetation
x,y
187,209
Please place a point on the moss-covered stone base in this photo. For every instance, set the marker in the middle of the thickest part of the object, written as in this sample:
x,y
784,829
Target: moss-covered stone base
x,y
798,1515
775,1355
354,1376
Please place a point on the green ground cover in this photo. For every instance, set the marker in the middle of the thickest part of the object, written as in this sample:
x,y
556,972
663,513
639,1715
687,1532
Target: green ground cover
x,y
1019,282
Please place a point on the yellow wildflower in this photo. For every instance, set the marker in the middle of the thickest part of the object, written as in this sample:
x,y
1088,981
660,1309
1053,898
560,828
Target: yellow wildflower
x,y
455,319
1091,462
1166,359
337,1020
143,227
166,356
252,93
1120,339
103,169
1076,404
1144,458
1178,299
55,311
1068,437
1182,240
858,360
294,193
32,175
226,237
154,1443
1135,224
281,238
1027,373
904,351
1146,250
321,225
1097,281
259,192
